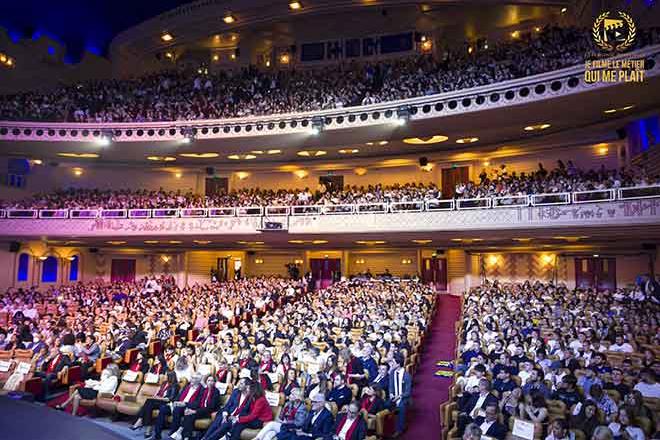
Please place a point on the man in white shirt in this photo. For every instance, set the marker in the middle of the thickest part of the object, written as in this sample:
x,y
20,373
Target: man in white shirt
x,y
621,346
648,386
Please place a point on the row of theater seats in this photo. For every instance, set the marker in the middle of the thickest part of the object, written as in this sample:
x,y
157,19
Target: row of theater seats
x,y
556,408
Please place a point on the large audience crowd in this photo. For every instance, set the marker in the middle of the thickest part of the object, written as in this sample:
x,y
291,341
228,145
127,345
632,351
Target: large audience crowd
x,y
178,95
331,356
497,182
574,363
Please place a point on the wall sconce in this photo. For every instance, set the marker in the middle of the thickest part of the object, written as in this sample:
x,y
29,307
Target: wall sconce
x,y
71,258
548,258
301,174
258,261
242,175
77,172
298,261
492,259
359,261
165,258
406,261
360,171
43,257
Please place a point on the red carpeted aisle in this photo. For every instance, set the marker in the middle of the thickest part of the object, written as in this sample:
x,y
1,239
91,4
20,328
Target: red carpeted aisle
x,y
430,391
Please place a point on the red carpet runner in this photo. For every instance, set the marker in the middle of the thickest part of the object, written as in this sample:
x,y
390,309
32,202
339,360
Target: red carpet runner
x,y
430,391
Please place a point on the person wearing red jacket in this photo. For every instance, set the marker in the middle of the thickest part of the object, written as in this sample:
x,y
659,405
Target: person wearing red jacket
x,y
259,413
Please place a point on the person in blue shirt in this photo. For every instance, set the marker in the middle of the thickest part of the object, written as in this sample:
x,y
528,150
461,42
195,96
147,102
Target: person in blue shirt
x,y
503,382
535,384
340,393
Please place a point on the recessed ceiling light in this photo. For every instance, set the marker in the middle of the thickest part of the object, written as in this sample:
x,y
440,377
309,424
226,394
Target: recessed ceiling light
x,y
199,155
79,155
260,152
426,141
175,242
319,241
537,127
424,241
570,238
115,242
202,241
151,241
167,37
312,153
457,239
293,5
250,243
161,158
229,19
370,242
618,109
522,239
468,140
349,151
242,156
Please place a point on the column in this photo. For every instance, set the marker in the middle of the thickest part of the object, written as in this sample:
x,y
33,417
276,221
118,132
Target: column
x,y
345,260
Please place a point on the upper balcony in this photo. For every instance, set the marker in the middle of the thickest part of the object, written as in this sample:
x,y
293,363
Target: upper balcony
x,y
562,97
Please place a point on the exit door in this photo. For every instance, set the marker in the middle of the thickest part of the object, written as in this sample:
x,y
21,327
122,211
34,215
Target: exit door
x,y
595,273
434,272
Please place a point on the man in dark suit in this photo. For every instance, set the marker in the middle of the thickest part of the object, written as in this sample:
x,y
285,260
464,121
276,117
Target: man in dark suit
x,y
237,405
489,425
52,368
208,403
318,423
349,426
189,398
474,405
340,393
382,379
400,387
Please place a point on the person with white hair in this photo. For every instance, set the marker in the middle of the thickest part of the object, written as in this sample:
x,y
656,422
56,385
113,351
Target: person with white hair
x,y
319,423
190,397
292,415
53,368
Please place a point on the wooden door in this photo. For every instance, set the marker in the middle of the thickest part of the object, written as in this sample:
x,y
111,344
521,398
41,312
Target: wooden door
x,y
452,176
216,185
434,271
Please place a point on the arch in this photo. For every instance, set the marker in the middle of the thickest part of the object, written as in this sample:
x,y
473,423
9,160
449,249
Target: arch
x,y
23,267
49,270
74,264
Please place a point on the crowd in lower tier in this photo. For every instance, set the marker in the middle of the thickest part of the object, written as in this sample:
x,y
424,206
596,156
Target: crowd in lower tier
x,y
212,356
575,363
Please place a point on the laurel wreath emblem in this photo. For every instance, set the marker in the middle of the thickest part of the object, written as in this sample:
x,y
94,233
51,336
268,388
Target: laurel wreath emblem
x,y
605,45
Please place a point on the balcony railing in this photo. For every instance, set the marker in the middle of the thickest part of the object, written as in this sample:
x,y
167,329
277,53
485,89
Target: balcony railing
x,y
506,93
550,199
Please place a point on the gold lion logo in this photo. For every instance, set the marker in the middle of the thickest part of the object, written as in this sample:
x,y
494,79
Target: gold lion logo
x,y
614,32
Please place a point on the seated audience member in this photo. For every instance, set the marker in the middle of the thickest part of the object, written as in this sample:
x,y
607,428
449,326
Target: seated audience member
x,y
106,385
566,392
617,383
584,417
349,425
534,408
603,401
602,433
382,378
503,383
634,404
472,432
319,423
289,382
168,392
489,424
589,379
371,402
52,368
511,403
237,404
535,384
208,404
292,416
400,390
474,405
623,427
559,431
189,398
648,386
340,393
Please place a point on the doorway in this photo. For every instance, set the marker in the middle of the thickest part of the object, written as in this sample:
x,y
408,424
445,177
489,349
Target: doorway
x,y
222,269
332,183
216,186
122,270
434,272
451,177
325,271
595,273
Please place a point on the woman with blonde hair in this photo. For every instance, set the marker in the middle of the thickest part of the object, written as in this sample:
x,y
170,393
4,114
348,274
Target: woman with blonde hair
x,y
107,385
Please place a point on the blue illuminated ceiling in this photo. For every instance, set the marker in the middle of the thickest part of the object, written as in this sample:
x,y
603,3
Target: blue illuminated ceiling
x,y
80,25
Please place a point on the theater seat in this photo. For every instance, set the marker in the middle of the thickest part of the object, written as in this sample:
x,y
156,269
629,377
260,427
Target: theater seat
x,y
249,434
131,407
107,402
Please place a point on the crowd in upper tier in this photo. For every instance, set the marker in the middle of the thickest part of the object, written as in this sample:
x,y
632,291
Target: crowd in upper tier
x,y
342,349
177,95
567,361
492,183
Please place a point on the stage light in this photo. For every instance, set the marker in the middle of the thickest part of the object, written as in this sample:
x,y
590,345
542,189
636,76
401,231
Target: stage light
x,y
403,116
284,58
229,19
167,37
294,6
216,57
77,172
103,141
317,126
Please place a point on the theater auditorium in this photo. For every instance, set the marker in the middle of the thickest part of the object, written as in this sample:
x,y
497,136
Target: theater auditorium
x,y
334,220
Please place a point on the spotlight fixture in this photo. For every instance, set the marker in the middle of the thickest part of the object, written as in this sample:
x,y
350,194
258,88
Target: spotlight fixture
x,y
294,5
229,19
317,126
105,139
189,136
167,37
402,116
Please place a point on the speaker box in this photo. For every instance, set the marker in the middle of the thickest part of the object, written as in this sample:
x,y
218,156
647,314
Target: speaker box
x,y
210,171
93,250
14,246
423,161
